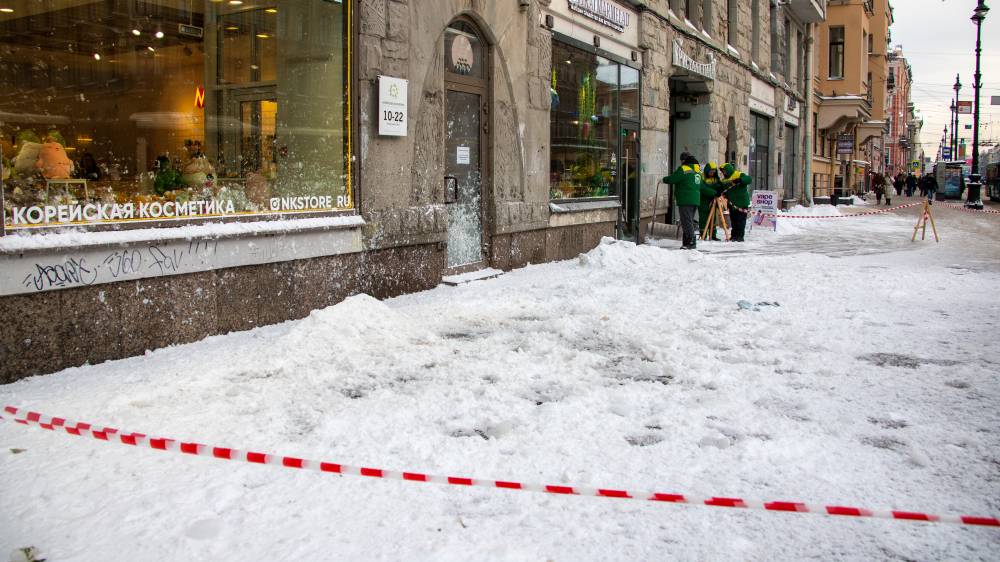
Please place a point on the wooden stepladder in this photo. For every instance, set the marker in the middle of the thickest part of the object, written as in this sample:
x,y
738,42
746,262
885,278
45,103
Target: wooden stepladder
x,y
716,219
925,217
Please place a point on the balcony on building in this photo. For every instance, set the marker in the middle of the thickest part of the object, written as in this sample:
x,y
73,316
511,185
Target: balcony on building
x,y
838,113
808,11
869,129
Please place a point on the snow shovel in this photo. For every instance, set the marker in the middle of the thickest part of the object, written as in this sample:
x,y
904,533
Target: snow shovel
x,y
661,230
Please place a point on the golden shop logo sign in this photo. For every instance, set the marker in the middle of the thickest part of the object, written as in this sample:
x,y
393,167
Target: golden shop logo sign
x,y
602,12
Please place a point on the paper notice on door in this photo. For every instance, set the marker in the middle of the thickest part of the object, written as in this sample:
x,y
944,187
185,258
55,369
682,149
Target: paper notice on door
x,y
462,156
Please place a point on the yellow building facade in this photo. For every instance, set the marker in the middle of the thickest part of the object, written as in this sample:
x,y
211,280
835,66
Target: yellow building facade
x,y
849,96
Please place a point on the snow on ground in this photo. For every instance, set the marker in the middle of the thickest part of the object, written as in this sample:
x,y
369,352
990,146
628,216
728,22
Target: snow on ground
x,y
871,382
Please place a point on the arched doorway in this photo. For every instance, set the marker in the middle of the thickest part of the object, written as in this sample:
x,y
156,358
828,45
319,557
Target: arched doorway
x,y
466,146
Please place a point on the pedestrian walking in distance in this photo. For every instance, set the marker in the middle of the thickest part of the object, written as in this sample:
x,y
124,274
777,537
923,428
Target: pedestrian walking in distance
x,y
928,185
878,186
687,181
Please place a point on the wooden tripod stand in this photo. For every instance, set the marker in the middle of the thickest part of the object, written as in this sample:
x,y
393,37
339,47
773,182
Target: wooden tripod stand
x,y
925,216
716,219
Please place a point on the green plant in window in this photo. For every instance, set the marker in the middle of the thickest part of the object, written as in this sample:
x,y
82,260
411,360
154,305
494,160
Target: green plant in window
x,y
586,105
167,176
589,179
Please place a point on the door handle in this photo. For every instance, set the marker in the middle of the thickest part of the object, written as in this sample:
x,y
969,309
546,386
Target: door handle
x,y
450,189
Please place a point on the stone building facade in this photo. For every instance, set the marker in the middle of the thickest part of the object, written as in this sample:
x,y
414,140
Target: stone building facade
x,y
470,134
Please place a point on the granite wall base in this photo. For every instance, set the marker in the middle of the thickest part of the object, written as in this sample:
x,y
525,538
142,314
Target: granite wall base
x,y
54,330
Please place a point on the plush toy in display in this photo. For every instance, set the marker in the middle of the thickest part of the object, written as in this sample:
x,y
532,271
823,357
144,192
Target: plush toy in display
x,y
24,162
53,162
197,171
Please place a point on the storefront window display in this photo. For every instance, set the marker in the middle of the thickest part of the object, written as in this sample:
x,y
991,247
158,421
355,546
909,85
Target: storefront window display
x,y
122,111
590,96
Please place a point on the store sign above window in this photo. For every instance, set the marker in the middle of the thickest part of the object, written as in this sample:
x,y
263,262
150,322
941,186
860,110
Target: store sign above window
x,y
603,12
681,59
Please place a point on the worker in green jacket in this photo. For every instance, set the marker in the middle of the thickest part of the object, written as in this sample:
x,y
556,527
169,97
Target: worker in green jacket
x,y
737,191
688,182
713,188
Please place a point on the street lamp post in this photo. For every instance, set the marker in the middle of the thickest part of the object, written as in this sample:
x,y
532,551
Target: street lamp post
x,y
975,184
951,125
954,123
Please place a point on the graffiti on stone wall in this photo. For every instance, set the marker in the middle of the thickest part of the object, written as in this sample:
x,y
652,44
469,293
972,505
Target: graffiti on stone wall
x,y
117,264
81,267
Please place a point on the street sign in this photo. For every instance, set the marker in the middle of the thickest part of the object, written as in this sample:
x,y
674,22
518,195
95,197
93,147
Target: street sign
x,y
845,144
763,208
392,106
965,108
946,153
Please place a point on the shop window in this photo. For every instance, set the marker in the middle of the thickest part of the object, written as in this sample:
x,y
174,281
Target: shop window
x,y
591,96
629,93
176,109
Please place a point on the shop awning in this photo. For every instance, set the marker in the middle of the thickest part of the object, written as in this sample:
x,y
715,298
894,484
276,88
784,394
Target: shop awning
x,y
838,113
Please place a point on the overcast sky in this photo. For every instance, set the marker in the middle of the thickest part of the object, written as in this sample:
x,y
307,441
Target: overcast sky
x,y
939,40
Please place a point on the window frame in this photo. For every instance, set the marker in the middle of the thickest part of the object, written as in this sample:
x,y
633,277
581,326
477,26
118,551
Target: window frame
x,y
573,43
733,16
352,172
835,47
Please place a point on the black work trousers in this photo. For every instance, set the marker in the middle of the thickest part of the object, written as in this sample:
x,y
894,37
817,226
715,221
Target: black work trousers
x,y
739,220
687,223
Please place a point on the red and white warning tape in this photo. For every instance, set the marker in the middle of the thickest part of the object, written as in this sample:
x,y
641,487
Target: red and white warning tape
x,y
849,216
28,418
968,210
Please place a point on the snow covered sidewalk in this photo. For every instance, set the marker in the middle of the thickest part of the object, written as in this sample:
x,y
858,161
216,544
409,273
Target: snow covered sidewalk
x,y
862,373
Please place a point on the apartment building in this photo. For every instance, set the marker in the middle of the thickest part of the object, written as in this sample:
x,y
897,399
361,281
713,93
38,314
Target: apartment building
x,y
902,150
850,96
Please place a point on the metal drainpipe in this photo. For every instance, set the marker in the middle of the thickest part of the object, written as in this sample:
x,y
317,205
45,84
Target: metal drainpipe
x,y
807,184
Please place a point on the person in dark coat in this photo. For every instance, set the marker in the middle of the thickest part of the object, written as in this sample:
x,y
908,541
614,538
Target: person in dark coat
x,y
688,183
899,183
878,186
929,185
911,184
